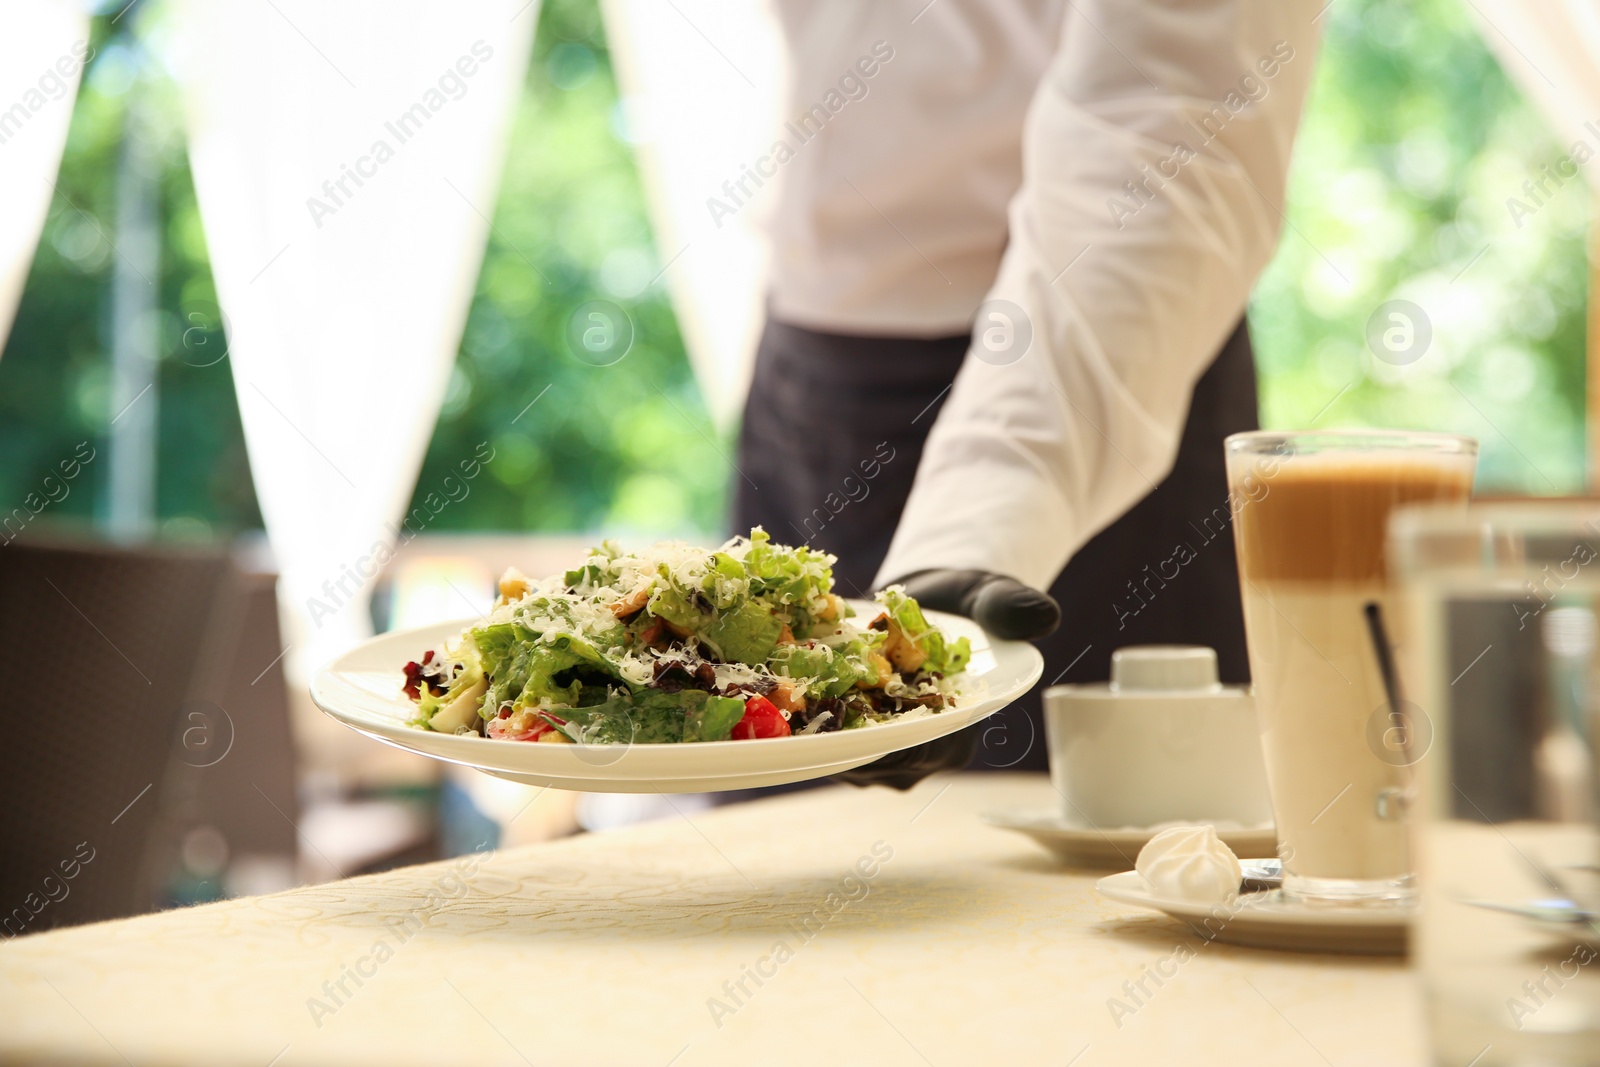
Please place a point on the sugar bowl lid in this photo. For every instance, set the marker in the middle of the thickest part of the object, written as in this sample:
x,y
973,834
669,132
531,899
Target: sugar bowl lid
x,y
1164,668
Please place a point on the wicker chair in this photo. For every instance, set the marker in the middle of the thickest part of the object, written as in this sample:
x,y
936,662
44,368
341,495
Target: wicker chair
x,y
133,718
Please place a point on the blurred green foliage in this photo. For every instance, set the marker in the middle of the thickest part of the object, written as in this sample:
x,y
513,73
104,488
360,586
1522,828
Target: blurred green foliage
x,y
55,378
1412,144
626,448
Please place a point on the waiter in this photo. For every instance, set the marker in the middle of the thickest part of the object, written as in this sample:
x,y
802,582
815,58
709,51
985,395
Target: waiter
x,y
1006,334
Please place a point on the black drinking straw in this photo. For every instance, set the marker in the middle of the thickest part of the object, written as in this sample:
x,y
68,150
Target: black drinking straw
x,y
1391,682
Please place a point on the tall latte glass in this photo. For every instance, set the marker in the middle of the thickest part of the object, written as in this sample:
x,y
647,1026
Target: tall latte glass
x,y
1310,514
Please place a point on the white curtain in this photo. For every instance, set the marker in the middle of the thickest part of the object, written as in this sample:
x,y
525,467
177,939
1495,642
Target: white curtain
x,y
42,52
703,85
346,158
1551,49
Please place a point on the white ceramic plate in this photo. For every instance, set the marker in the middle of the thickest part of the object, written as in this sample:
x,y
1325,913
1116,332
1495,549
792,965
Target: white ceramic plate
x,y
1117,848
362,690
1267,920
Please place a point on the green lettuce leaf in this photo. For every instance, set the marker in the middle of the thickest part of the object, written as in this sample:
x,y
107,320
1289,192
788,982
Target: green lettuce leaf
x,y
832,671
652,718
619,721
673,604
782,573
745,634
523,669
944,657
713,720
585,577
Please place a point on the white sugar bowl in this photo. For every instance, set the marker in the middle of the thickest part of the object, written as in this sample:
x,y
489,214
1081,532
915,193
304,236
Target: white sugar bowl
x,y
1162,742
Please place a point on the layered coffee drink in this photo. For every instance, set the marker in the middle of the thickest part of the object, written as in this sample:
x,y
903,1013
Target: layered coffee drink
x,y
1310,515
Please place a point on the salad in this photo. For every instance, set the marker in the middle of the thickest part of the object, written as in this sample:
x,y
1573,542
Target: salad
x,y
677,643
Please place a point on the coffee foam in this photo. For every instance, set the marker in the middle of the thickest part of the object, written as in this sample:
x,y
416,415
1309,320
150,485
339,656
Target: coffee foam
x,y
1322,517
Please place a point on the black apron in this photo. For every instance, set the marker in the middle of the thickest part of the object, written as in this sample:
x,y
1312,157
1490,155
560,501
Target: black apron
x,y
825,411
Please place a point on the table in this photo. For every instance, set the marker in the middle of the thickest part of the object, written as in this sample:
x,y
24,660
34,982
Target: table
x,y
840,925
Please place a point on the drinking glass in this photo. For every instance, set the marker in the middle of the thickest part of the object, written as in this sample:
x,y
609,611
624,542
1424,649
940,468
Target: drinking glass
x,y
1497,642
1309,517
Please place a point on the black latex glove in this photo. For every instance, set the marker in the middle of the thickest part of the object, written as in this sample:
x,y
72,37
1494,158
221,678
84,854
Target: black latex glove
x,y
1004,607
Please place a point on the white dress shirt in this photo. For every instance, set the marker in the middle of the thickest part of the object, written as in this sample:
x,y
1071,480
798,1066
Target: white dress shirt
x,y
1142,147
892,216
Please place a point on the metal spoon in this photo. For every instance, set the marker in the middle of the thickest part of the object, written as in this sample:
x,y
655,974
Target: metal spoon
x,y
1554,910
1561,910
1260,875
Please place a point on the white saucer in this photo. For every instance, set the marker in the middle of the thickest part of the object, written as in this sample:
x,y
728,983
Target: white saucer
x,y
1117,848
1267,920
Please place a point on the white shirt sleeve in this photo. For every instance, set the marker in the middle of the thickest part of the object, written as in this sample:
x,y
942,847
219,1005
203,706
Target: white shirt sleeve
x,y
1155,158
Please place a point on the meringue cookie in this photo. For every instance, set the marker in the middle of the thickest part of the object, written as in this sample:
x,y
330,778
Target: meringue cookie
x,y
1190,863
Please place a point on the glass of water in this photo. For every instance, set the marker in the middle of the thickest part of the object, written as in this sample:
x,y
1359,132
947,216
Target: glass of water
x,y
1496,634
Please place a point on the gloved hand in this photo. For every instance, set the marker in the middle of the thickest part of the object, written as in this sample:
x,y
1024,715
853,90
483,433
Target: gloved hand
x,y
1004,607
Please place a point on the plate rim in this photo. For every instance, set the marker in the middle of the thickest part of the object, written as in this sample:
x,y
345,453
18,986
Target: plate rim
x,y
1015,821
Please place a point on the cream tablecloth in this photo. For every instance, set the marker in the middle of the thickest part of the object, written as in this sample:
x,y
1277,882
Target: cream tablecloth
x,y
840,926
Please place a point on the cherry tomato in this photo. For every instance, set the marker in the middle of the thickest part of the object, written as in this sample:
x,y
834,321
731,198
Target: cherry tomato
x,y
761,719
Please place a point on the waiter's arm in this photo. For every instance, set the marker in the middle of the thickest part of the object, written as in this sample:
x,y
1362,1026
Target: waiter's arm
x,y
1155,158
